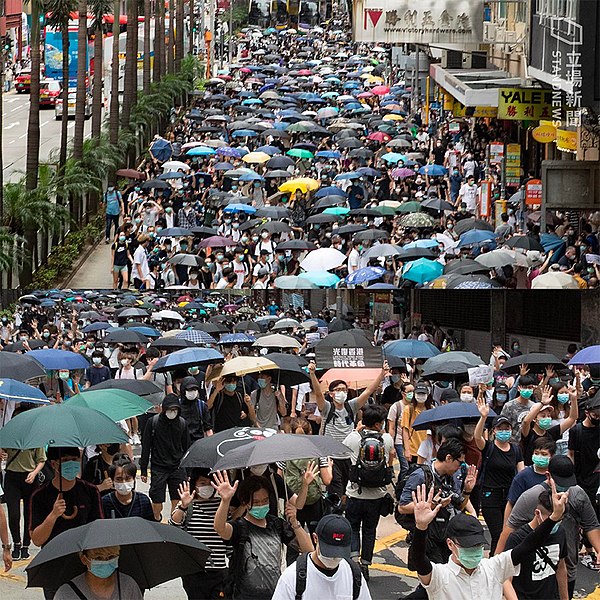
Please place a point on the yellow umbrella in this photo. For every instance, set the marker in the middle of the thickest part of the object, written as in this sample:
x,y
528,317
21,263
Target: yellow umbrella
x,y
304,184
243,365
393,118
374,79
256,157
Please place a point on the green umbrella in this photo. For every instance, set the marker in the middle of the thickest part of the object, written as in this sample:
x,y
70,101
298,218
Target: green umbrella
x,y
300,153
115,404
409,207
416,220
385,210
339,211
60,425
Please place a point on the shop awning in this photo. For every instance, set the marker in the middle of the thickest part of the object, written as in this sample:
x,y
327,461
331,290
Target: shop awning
x,y
473,87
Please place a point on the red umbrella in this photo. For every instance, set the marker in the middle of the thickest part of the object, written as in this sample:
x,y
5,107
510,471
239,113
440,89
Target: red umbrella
x,y
231,307
130,173
216,241
380,90
379,136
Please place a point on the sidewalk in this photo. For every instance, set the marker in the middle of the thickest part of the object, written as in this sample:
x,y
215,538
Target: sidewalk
x,y
95,272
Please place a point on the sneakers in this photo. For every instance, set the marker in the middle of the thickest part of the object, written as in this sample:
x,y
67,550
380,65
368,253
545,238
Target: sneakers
x,y
24,553
364,569
135,439
107,241
589,561
16,553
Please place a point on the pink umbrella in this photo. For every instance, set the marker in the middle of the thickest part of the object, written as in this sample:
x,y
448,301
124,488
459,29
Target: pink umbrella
x,y
216,241
380,90
379,136
245,70
402,172
304,72
390,324
231,307
365,95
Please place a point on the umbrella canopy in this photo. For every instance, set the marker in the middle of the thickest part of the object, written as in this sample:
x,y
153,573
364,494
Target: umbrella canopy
x,y
277,340
450,363
216,241
587,356
410,349
465,225
417,220
205,453
125,336
16,391
140,387
464,266
242,365
55,360
115,404
60,425
173,343
188,357
365,274
524,242
554,280
448,412
286,324
422,270
535,361
197,336
284,446
151,553
323,259
294,282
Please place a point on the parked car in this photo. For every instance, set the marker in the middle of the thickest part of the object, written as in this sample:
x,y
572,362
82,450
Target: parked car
x,y
50,90
58,107
23,81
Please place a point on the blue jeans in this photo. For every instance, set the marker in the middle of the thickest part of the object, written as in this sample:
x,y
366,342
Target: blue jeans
x,y
402,460
110,221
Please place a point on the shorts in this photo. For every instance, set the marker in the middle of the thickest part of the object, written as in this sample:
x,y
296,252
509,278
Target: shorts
x,y
159,482
119,268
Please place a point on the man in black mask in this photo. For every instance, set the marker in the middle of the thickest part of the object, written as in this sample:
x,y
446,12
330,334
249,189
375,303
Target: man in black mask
x,y
194,410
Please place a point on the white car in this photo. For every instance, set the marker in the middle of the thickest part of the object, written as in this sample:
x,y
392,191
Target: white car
x,y
58,108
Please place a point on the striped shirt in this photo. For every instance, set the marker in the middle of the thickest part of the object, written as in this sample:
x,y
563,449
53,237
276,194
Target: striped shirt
x,y
341,424
200,524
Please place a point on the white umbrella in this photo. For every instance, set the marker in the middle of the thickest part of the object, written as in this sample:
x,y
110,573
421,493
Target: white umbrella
x,y
323,259
167,314
555,280
174,165
277,340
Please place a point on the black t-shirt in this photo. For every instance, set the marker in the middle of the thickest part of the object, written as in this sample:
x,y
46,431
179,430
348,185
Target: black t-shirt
x,y
584,442
501,466
96,471
538,570
121,250
528,441
391,394
227,410
439,153
83,496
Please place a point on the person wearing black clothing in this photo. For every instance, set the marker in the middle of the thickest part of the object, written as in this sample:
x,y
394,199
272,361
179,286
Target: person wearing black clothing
x,y
97,468
194,410
501,461
544,570
53,511
230,408
98,372
165,438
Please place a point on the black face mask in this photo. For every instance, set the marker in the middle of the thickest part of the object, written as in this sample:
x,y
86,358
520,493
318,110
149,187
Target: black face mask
x,y
594,420
112,448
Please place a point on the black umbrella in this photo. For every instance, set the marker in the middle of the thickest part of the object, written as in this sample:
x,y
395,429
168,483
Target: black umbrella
x,y
340,325
535,361
371,234
355,338
151,553
449,412
365,212
321,218
281,447
172,343
20,366
407,254
273,212
290,372
155,184
20,346
296,245
125,336
246,326
279,162
349,229
206,452
210,327
284,361
464,266
203,231
465,225
142,387
524,242
450,363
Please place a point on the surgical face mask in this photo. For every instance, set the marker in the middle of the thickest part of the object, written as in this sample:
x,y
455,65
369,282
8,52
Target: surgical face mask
x,y
409,395
70,469
258,469
264,235
340,397
562,488
395,378
259,512
125,488
466,397
255,238
503,435
244,239
220,256
96,360
46,334
501,398
545,423
262,383
421,398
194,370
124,362
171,414
526,394
64,375
104,568
329,562
231,387
205,491
470,557
235,225
562,398
191,394
540,461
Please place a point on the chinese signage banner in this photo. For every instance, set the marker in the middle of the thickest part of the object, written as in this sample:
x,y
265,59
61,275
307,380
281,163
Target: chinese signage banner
x,y
533,192
348,357
513,164
524,104
423,22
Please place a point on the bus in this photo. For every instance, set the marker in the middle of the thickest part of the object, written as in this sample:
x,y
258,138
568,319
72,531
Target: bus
x,y
260,13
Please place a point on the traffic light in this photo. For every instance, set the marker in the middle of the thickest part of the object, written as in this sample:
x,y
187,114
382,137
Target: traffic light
x,y
6,43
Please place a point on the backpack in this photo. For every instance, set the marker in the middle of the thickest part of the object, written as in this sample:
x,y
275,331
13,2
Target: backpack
x,y
371,469
301,571
408,521
331,414
294,473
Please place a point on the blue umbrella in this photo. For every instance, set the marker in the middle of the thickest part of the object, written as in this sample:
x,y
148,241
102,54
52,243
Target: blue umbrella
x,y
421,244
237,208
433,170
329,154
161,149
587,356
244,133
349,175
410,349
330,190
251,177
188,357
15,391
223,166
321,278
197,336
448,412
369,172
270,150
381,286
147,331
551,241
96,327
475,236
394,157
236,338
55,360
234,152
365,274
201,151
422,270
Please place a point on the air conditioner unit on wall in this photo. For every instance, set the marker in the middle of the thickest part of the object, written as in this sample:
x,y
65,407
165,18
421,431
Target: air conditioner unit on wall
x,y
452,59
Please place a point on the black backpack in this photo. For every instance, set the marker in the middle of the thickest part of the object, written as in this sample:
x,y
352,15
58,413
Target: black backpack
x,y
301,570
331,414
371,469
408,521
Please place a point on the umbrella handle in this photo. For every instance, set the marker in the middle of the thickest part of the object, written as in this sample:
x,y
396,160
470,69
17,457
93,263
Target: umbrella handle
x,y
72,515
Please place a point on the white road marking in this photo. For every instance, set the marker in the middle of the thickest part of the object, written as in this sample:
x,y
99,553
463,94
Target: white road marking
x,y
15,108
12,125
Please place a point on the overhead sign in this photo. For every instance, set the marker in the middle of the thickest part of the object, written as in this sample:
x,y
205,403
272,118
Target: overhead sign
x,y
484,112
566,141
346,357
524,104
544,134
513,164
533,192
423,22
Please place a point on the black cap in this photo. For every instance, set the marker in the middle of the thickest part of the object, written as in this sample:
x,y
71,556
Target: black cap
x,y
449,395
422,387
562,471
501,387
466,530
335,536
500,420
593,403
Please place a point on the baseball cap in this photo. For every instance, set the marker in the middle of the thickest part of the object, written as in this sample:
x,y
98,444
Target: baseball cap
x,y
449,395
466,530
335,536
562,470
501,420
422,387
594,402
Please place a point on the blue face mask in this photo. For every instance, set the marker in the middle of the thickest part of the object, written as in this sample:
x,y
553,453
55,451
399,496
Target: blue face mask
x,y
70,469
470,557
554,529
231,387
262,383
104,568
562,398
259,512
503,436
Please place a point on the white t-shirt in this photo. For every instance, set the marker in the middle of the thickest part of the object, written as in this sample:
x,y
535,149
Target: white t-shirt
x,y
395,416
468,195
140,258
353,260
318,585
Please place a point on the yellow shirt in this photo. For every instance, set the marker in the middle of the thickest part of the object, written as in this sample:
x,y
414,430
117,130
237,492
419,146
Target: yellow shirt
x,y
416,437
24,461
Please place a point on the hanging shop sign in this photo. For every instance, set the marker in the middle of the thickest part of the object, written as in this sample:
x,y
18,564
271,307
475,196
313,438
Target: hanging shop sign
x,y
512,170
566,140
533,192
496,152
544,134
522,104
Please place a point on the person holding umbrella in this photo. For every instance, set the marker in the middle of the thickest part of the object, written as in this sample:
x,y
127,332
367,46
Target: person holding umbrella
x,y
194,410
230,408
101,580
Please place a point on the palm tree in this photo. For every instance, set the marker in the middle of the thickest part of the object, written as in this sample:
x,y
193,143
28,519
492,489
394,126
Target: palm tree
x,y
147,73
114,78
129,92
158,69
82,76
179,27
33,126
99,8
171,38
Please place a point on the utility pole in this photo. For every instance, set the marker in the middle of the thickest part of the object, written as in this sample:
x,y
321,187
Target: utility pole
x,y
230,54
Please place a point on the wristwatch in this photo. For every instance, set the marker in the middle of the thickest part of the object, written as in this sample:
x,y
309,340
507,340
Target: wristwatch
x,y
180,507
297,525
6,547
